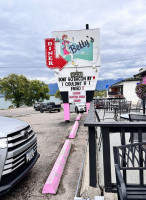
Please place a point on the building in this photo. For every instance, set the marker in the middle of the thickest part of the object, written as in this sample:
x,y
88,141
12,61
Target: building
x,y
124,88
141,75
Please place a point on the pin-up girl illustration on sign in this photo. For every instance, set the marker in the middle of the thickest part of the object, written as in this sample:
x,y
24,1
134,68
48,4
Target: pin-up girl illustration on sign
x,y
65,44
70,49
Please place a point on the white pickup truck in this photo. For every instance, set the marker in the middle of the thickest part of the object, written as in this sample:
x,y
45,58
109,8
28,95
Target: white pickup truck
x,y
78,107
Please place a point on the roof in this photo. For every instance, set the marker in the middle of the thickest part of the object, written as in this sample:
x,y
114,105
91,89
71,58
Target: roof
x,y
126,80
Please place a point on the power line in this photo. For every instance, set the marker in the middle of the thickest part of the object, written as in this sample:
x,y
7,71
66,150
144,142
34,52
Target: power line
x,y
134,58
23,67
102,61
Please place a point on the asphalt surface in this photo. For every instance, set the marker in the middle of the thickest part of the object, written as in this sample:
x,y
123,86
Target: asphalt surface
x,y
17,112
52,131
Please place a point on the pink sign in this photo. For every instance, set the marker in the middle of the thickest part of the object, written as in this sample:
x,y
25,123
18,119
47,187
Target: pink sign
x,y
144,79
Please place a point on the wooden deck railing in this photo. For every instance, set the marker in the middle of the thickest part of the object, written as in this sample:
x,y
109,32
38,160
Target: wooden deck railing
x,y
107,128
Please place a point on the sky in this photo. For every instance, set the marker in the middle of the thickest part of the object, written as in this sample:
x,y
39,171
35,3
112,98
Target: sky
x,y
25,24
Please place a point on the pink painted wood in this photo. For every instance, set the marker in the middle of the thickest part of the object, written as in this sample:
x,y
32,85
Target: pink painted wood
x,y
66,112
54,178
144,79
74,130
87,107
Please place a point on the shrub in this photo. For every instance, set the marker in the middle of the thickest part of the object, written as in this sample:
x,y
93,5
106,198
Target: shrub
x,y
141,90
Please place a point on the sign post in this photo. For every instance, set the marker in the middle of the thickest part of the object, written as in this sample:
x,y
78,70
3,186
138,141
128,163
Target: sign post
x,y
75,58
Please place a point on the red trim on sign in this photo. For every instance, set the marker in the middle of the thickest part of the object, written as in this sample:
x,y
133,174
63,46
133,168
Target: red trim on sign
x,y
82,96
73,97
74,93
77,100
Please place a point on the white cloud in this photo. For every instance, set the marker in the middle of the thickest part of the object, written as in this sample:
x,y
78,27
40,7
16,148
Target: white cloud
x,y
45,79
25,25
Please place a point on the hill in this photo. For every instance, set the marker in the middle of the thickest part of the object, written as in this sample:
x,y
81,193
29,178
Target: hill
x,y
101,85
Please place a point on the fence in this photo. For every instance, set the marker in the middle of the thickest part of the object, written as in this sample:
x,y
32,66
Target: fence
x,y
106,129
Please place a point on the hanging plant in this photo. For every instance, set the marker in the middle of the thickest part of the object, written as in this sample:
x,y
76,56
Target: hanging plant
x,y
141,90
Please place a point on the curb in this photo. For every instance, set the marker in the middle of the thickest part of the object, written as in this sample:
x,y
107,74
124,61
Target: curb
x,y
74,130
53,180
78,117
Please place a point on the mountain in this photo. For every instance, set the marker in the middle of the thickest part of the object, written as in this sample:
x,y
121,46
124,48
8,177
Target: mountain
x,y
101,85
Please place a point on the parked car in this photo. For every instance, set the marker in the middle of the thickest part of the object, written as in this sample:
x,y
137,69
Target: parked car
x,y
78,107
51,106
37,106
18,152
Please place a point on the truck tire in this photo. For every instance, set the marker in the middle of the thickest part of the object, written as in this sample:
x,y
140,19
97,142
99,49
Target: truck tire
x,y
50,110
76,109
41,111
58,110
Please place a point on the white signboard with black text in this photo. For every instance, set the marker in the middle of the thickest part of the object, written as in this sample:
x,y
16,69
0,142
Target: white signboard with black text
x,y
80,50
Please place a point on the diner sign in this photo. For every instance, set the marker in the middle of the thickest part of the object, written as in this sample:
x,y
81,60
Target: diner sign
x,y
51,60
79,51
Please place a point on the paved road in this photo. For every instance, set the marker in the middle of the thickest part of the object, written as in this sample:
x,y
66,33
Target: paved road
x,y
17,112
51,132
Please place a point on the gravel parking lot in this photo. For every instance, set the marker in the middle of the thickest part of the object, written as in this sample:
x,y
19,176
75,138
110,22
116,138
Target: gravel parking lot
x,y
51,132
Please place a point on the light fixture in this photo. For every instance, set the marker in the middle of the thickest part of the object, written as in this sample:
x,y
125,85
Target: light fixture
x,y
56,72
3,143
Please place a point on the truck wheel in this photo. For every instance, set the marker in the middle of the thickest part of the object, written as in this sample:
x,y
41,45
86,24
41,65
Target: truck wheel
x,y
41,111
58,110
76,110
50,110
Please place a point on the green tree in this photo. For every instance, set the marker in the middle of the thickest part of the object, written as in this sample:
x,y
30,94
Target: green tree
x,y
22,91
58,95
38,91
100,93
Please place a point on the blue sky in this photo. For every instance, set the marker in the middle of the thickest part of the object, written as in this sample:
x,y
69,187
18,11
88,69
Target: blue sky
x,y
25,24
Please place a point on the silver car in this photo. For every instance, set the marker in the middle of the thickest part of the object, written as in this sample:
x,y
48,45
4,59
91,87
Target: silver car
x,y
18,151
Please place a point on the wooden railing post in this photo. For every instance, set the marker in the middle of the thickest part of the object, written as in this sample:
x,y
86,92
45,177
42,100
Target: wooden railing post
x,y
92,156
106,159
